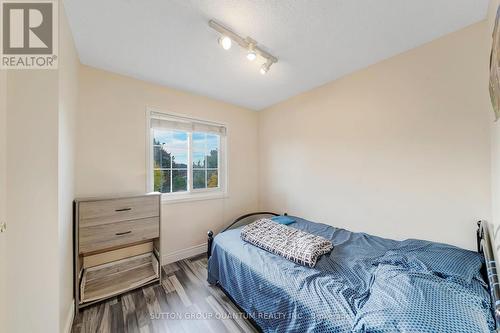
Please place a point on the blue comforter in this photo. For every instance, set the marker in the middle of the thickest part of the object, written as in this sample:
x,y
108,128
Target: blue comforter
x,y
366,284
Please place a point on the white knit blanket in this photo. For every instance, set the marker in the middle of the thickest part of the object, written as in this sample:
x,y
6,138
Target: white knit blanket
x,y
298,246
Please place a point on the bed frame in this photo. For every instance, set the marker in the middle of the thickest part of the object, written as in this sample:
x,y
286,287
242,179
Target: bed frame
x,y
235,224
484,246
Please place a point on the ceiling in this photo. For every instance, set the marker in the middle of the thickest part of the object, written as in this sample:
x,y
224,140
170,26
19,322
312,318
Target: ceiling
x,y
169,42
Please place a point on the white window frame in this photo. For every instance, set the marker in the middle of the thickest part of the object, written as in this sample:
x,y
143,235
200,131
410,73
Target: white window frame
x,y
191,194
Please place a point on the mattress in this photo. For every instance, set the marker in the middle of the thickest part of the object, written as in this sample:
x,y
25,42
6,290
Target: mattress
x,y
282,296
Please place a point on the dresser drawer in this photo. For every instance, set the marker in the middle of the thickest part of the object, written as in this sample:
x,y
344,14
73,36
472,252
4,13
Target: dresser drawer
x,y
113,235
94,213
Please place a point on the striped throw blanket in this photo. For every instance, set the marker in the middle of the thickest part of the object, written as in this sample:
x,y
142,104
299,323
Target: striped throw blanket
x,y
293,244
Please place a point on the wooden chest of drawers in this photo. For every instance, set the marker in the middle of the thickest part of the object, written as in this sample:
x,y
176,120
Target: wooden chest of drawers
x,y
117,246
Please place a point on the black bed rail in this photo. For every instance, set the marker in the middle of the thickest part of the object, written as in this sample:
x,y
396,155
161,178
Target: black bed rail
x,y
210,233
485,247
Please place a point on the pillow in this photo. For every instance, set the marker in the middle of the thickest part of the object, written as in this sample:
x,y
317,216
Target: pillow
x,y
283,219
409,301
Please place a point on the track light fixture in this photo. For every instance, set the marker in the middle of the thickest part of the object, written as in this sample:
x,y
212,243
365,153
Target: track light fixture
x,y
227,37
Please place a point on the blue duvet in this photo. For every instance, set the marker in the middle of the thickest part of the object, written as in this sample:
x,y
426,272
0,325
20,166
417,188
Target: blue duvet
x,y
366,284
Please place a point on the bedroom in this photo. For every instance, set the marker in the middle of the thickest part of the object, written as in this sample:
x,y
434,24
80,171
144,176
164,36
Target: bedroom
x,y
370,117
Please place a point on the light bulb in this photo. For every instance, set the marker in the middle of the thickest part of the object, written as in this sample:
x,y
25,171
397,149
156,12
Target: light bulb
x,y
225,42
251,55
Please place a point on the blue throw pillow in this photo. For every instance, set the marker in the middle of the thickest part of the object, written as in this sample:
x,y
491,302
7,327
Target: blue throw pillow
x,y
283,220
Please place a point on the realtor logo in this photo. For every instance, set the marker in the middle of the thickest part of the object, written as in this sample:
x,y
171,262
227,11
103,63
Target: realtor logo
x,y
29,34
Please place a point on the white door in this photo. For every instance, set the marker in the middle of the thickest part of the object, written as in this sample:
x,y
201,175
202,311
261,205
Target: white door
x,y
3,206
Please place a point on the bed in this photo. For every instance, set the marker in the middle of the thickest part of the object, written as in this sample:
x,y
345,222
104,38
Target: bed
x,y
366,284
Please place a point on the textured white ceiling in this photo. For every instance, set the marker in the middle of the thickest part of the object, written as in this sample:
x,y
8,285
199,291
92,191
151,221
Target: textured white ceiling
x,y
169,42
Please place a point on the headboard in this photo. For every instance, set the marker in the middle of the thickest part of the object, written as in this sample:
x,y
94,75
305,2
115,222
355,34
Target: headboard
x,y
485,247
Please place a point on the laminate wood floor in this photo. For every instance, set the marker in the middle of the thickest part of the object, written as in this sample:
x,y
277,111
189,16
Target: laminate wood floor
x,y
184,302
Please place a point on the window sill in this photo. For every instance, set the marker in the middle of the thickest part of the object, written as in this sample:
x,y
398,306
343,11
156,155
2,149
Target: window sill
x,y
179,198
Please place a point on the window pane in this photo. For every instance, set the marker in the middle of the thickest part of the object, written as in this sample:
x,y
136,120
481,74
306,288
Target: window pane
x,y
160,137
212,178
180,150
208,145
164,157
157,157
199,142
161,181
198,160
212,142
179,161
199,177
212,150
212,159
179,180
175,147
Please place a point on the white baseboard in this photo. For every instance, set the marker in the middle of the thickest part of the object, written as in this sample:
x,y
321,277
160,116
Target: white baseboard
x,y
68,323
183,254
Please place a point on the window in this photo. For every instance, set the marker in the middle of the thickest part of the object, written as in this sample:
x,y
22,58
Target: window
x,y
170,162
206,149
187,157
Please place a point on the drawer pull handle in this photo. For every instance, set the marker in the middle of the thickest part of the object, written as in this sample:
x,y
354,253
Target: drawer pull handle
x,y
123,233
122,209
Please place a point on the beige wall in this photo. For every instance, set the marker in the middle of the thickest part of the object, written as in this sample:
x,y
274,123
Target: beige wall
x,y
400,149
111,158
41,107
32,201
69,66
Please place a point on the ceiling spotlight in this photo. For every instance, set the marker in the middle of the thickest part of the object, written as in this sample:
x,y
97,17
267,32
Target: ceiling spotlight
x,y
251,55
225,42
